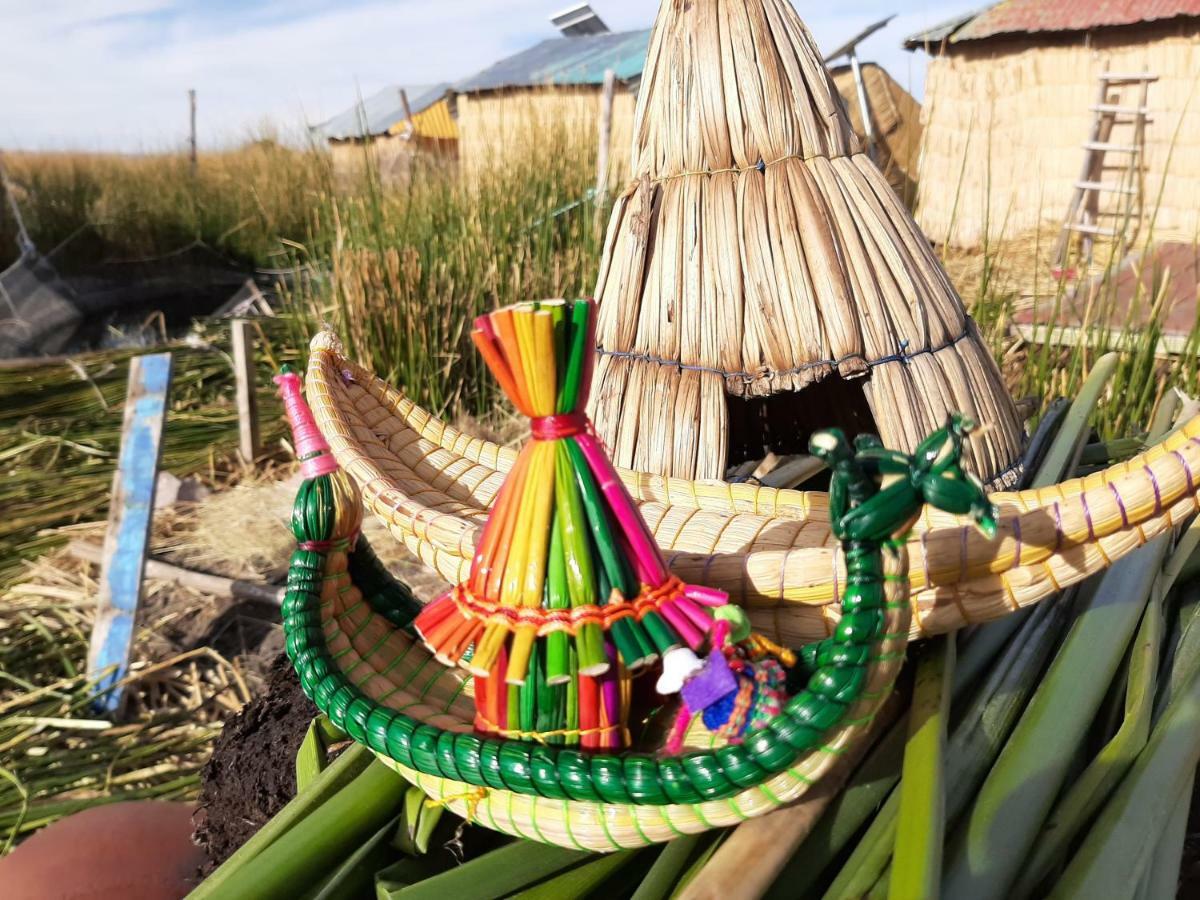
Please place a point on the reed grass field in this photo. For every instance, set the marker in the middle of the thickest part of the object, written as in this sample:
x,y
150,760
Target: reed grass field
x,y
399,271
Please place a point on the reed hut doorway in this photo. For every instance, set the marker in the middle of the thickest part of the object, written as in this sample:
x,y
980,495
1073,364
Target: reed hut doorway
x,y
783,423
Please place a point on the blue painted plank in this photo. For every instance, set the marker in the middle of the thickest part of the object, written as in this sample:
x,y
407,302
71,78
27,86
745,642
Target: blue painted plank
x,y
131,508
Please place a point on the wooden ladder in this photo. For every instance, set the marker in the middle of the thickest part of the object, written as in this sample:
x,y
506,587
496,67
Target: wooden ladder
x,y
1119,129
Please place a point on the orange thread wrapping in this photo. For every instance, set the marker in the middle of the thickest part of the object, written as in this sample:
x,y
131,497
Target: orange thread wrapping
x,y
550,620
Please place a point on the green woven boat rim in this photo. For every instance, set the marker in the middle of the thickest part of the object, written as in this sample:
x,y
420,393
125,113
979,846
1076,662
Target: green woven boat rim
x,y
562,773
602,826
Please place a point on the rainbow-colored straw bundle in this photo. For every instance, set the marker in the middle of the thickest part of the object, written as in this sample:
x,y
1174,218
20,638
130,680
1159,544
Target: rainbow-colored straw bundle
x,y
568,594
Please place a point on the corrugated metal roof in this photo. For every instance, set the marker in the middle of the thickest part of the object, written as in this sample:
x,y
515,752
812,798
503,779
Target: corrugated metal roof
x,y
432,122
381,111
1070,15
1036,16
564,61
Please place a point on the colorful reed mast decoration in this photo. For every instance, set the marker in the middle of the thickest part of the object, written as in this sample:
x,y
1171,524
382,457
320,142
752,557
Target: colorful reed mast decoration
x,y
568,595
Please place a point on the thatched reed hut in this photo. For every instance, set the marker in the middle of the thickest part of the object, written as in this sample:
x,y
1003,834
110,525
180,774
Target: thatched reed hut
x,y
760,279
395,126
1007,108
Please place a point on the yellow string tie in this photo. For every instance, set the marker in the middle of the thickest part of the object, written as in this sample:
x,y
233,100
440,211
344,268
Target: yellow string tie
x,y
473,798
765,646
542,737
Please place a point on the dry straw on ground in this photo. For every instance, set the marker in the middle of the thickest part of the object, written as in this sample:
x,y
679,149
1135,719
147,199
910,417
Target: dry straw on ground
x,y
759,250
60,756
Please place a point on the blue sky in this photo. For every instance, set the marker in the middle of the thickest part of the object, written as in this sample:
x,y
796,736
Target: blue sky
x,y
113,74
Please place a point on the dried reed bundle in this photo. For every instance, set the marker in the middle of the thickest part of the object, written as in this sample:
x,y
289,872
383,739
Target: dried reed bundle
x,y
759,250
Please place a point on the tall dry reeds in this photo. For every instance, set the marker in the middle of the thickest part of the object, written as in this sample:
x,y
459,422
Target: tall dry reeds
x,y
239,202
407,271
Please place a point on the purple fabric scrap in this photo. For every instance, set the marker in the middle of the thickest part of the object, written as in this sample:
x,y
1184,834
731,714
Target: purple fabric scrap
x,y
710,684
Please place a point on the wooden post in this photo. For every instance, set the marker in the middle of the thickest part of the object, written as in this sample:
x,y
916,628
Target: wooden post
x,y
605,138
131,507
864,105
192,130
247,407
408,113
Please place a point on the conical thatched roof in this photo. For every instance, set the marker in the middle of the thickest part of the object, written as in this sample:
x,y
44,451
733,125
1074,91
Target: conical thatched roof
x,y
759,251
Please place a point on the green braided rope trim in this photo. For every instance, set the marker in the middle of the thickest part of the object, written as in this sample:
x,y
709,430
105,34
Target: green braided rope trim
x,y
558,773
388,597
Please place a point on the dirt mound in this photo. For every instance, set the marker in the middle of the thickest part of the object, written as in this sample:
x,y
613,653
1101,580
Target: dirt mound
x,y
252,772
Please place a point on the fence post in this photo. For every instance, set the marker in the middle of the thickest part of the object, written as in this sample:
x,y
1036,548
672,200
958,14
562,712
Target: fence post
x,y
247,406
605,141
130,511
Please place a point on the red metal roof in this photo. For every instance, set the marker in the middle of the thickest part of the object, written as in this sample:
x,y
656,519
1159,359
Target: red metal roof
x,y
1025,16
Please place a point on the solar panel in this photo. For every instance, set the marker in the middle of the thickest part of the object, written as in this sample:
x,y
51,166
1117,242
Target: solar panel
x,y
579,20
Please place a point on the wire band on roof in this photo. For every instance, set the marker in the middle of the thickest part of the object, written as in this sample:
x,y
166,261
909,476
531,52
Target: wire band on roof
x,y
760,166
900,356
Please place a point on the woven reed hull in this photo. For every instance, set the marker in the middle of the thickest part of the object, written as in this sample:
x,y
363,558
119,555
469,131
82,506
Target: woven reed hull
x,y
758,250
772,550
395,670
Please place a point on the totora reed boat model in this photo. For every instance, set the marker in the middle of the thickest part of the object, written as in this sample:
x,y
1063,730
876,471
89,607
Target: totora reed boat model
x,y
771,550
782,555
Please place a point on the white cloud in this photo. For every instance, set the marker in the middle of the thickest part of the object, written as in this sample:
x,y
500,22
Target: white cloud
x,y
114,73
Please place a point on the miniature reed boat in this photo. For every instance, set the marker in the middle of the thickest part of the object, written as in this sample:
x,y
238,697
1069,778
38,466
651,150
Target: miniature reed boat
x,y
461,696
568,606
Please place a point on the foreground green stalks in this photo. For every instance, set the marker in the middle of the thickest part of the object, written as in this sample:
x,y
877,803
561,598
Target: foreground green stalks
x,y
1122,842
1004,824
917,871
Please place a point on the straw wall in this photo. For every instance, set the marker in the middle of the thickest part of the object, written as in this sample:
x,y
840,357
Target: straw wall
x,y
495,124
1004,123
392,156
759,251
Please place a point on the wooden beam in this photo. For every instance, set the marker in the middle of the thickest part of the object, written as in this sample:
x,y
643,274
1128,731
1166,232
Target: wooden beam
x,y
247,406
408,114
131,507
192,129
217,585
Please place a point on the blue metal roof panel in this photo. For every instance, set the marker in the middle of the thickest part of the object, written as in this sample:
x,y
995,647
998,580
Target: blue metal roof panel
x,y
380,111
565,61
